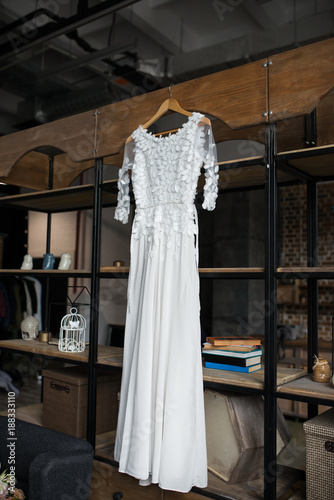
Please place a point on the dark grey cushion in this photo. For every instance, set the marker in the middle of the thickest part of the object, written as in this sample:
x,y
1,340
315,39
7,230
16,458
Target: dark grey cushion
x,y
54,465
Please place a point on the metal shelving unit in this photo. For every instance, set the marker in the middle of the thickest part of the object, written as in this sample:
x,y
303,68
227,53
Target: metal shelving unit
x,y
272,384
266,172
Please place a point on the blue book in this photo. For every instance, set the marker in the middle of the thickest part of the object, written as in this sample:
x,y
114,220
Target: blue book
x,y
233,368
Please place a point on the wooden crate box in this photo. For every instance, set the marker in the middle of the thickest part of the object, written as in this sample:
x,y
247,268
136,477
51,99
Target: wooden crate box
x,y
65,394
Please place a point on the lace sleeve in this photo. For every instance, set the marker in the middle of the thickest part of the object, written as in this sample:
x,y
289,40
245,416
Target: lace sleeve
x,y
123,199
206,148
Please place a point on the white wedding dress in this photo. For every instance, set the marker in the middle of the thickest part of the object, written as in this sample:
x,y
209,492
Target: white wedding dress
x,y
161,429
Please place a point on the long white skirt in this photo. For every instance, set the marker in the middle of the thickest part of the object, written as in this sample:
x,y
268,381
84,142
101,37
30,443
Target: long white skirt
x,y
161,427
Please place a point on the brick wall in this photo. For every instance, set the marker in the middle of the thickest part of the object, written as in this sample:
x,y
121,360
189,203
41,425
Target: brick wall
x,y
293,252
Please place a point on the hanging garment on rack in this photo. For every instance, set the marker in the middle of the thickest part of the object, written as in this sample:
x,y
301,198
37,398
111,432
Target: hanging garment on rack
x,y
4,306
36,293
19,297
29,302
161,428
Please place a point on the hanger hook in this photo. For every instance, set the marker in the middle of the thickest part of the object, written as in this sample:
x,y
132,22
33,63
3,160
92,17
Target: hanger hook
x,y
169,88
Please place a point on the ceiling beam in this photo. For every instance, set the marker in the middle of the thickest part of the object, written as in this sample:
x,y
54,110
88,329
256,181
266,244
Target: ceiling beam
x,y
21,43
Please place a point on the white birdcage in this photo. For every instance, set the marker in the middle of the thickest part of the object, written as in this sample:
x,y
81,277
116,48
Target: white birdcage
x,y
72,332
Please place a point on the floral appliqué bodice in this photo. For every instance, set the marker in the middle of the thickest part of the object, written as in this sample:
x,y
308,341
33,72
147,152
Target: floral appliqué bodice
x,y
165,173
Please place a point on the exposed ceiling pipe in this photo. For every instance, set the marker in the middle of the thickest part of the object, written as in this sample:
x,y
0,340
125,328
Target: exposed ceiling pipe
x,y
18,44
8,28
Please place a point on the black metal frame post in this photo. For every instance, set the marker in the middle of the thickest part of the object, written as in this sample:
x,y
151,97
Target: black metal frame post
x,y
311,129
312,284
48,246
94,306
50,186
270,403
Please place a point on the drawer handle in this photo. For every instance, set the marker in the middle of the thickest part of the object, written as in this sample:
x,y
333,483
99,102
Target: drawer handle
x,y
329,446
118,495
58,387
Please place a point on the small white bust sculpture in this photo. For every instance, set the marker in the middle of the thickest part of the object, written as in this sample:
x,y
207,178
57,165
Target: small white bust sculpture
x,y
65,261
29,328
27,262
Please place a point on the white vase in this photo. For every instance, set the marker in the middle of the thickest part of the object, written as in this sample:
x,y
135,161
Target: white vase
x,y
27,262
65,261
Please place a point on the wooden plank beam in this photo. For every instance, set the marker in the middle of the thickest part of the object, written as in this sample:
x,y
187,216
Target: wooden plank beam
x,y
74,135
237,97
299,79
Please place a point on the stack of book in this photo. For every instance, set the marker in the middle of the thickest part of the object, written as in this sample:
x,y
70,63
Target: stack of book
x,y
239,354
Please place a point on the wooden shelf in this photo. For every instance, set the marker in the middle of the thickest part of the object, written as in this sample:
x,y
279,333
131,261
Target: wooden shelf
x,y
114,271
308,163
304,272
290,381
253,490
307,152
322,344
253,380
110,356
244,173
233,174
232,272
107,355
43,349
250,490
62,200
123,271
47,272
204,272
250,172
306,387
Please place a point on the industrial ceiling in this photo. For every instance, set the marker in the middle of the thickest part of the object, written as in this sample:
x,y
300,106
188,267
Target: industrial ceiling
x,y
60,57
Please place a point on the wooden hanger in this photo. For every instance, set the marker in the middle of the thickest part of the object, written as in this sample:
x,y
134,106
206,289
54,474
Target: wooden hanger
x,y
169,104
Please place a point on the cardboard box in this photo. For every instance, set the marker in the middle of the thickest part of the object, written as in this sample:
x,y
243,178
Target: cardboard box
x,y
319,435
65,394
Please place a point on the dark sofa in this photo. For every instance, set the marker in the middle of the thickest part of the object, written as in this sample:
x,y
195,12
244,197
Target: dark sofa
x,y
49,465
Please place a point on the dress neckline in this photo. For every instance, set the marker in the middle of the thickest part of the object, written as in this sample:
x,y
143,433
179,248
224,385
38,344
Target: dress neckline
x,y
192,118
